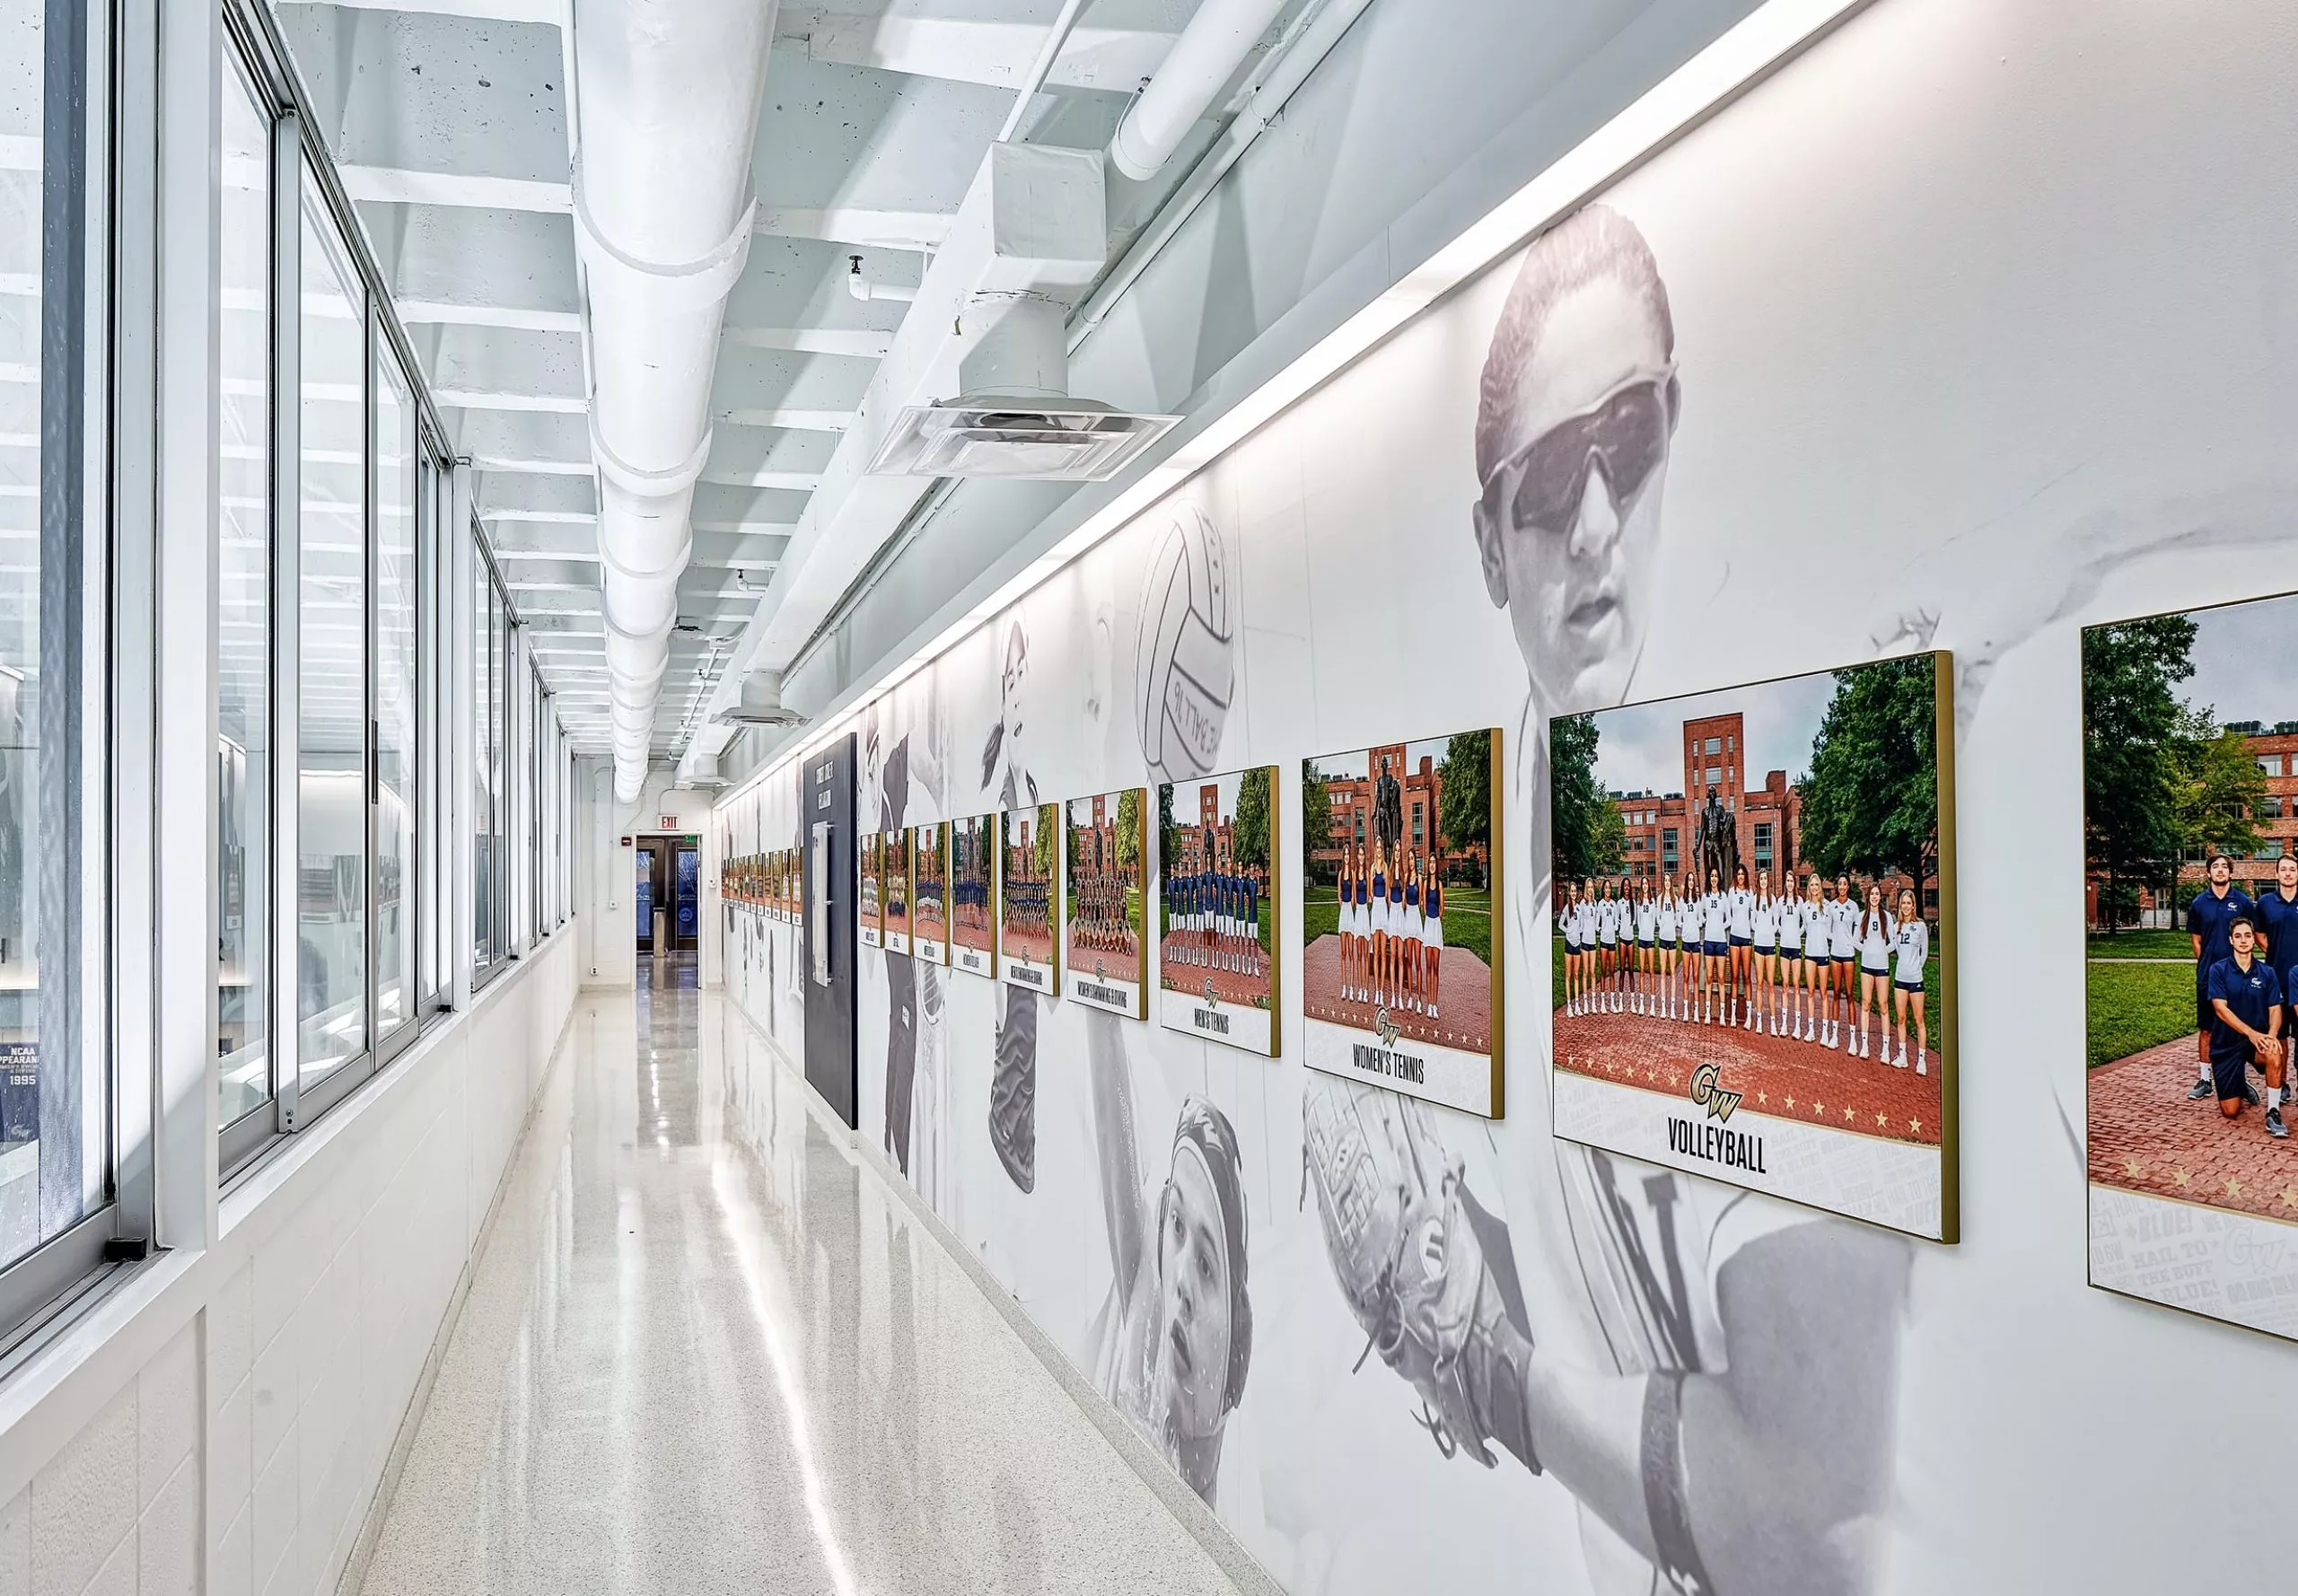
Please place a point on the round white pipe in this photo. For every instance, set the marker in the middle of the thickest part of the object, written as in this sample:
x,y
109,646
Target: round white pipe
x,y
667,97
1204,58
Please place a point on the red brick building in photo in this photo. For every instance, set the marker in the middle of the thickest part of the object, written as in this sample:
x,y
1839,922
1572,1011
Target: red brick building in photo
x,y
1350,824
1092,847
2275,819
1664,828
1208,843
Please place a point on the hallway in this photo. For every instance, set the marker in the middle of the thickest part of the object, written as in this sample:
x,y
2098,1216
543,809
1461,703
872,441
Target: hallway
x,y
707,1349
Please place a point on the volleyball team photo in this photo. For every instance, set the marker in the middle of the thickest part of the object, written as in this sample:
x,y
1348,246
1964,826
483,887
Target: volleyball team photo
x,y
1746,907
1029,897
1397,929
1104,958
1216,965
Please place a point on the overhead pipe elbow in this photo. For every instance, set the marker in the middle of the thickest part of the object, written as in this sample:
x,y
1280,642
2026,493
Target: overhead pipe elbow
x,y
1204,58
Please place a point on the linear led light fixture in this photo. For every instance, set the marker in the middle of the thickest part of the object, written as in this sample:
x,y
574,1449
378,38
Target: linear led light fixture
x,y
1763,40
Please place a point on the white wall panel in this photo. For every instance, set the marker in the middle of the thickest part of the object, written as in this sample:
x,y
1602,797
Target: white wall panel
x,y
1980,318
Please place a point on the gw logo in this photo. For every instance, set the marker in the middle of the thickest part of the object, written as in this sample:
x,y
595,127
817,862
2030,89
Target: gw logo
x,y
1705,1088
1384,1028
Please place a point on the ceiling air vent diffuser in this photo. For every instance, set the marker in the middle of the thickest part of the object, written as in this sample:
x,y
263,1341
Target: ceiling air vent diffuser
x,y
1037,437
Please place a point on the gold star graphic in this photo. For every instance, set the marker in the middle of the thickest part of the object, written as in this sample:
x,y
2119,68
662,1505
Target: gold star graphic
x,y
1882,1119
1763,1097
1818,1107
2133,1168
2179,1178
1849,1113
2290,1199
1915,1126
1790,1103
2233,1187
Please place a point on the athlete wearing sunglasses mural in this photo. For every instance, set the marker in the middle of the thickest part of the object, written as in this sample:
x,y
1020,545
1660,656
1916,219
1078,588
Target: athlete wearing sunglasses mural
x,y
1654,1343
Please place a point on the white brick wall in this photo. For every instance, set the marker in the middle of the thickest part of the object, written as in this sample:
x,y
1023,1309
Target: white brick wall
x,y
250,1443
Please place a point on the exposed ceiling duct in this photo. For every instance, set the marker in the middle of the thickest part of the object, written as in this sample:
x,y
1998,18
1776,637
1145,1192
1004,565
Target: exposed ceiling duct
x,y
668,94
992,327
1220,35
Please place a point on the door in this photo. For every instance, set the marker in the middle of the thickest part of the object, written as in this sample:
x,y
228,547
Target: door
x,y
644,897
686,915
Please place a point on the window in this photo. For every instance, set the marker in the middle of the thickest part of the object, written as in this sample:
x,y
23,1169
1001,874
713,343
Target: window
x,y
1713,746
392,788
244,769
58,1202
2271,763
331,654
1714,774
491,640
2269,808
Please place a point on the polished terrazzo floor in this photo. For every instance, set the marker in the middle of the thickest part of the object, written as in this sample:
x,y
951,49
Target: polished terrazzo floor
x,y
707,1349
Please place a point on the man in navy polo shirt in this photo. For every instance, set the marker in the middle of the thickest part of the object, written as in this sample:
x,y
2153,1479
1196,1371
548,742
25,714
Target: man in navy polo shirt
x,y
2246,1026
2277,912
2212,910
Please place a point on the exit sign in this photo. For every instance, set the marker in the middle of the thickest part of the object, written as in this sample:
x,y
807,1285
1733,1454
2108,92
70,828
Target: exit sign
x,y
666,822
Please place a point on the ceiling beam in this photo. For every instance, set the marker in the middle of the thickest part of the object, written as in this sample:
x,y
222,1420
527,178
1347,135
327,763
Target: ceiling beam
x,y
870,228
399,184
421,313
552,12
973,50
812,340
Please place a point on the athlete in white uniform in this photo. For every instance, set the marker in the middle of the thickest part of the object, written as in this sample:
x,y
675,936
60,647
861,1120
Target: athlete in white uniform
x,y
1691,918
1607,949
1843,952
1663,926
1764,921
1715,936
1910,949
1740,928
1876,931
1648,932
1818,936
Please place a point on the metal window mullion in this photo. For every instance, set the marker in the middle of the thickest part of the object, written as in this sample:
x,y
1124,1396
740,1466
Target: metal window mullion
x,y
124,986
371,654
286,1047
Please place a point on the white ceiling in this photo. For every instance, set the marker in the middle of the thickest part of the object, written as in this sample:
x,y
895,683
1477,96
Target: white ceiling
x,y
449,122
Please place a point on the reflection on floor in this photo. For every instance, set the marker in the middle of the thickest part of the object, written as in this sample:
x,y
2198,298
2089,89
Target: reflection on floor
x,y
705,1349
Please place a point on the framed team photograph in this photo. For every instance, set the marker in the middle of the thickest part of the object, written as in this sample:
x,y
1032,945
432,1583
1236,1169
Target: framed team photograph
x,y
1216,913
869,927
1753,946
893,890
1400,922
1106,961
1028,898
2190,912
929,892
973,894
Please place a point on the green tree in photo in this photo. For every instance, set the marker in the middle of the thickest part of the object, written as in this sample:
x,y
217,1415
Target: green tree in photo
x,y
2134,827
1585,829
1169,837
1129,828
1464,810
1248,829
1316,824
2220,788
1043,844
1871,804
